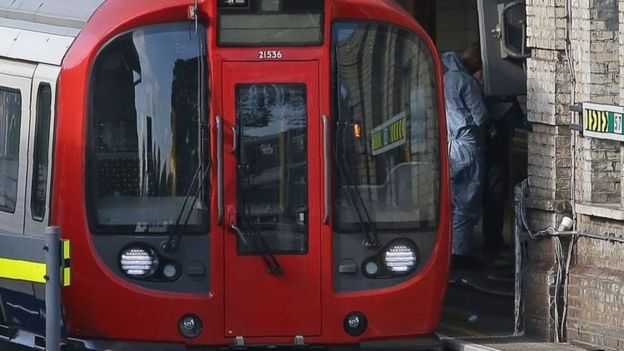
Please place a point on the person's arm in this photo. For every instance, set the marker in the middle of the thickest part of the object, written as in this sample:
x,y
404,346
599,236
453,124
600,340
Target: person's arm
x,y
474,101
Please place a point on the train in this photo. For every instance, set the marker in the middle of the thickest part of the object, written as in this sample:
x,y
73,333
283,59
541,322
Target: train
x,y
230,174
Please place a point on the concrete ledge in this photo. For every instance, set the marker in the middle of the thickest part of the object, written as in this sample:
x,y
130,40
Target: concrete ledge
x,y
510,343
463,345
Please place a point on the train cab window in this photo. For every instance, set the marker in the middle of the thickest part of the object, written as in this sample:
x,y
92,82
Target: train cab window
x,y
148,164
386,155
39,191
10,121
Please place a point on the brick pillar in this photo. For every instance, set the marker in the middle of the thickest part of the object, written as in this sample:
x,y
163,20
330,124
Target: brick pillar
x,y
549,162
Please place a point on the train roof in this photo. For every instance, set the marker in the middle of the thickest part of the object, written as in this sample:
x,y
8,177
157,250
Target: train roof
x,y
42,30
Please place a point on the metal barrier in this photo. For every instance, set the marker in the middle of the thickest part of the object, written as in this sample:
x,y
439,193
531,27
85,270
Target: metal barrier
x,y
42,259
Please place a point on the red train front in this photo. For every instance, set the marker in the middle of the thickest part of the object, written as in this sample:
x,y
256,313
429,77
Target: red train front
x,y
252,173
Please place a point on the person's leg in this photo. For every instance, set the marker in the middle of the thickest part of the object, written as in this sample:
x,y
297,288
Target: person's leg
x,y
463,230
495,188
494,198
466,202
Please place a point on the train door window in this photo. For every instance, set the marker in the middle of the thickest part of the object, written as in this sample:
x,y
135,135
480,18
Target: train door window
x,y
10,124
272,175
148,164
39,192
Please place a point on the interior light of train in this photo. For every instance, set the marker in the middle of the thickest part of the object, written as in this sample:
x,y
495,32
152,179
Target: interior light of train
x,y
138,262
399,258
357,130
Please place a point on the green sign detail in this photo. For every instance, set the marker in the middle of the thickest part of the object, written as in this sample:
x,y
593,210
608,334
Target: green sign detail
x,y
390,134
603,121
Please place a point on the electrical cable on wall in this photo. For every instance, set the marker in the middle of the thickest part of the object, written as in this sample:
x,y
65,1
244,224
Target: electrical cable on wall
x,y
562,260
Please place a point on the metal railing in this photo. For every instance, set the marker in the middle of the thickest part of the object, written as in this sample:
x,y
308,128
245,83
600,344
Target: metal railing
x,y
41,259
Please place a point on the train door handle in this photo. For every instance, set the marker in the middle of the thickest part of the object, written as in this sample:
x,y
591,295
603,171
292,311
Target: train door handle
x,y
220,210
232,217
234,139
326,169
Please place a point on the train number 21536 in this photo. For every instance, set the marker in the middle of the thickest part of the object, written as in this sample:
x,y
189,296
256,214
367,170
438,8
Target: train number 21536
x,y
269,54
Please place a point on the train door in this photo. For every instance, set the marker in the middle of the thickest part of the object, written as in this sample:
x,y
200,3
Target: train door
x,y
40,142
272,174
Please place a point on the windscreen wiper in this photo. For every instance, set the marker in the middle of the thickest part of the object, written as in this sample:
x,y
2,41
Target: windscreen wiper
x,y
178,228
355,198
259,244
254,235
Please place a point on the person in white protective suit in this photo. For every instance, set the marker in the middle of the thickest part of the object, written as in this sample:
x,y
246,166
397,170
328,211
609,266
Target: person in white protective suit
x,y
466,116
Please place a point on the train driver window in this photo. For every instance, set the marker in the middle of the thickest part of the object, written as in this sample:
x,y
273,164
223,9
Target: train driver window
x,y
10,121
386,133
148,139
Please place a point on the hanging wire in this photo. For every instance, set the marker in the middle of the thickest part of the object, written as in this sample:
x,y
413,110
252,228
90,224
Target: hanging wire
x,y
566,284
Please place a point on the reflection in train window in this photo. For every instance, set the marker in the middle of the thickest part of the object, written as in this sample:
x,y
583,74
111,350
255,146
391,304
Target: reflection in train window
x,y
10,121
39,193
148,134
273,167
386,130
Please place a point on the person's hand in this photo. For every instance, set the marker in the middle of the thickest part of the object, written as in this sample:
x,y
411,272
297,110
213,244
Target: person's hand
x,y
478,76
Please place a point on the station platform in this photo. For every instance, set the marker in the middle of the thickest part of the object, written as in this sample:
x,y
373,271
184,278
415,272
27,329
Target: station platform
x,y
479,312
506,343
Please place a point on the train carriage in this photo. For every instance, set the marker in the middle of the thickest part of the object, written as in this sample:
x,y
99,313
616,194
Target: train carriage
x,y
231,173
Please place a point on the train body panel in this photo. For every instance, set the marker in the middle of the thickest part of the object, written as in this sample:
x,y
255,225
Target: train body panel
x,y
206,159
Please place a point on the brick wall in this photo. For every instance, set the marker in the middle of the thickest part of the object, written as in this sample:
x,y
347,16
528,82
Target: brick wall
x,y
596,290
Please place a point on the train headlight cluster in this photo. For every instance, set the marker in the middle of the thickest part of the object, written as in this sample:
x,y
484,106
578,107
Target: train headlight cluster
x,y
399,258
139,262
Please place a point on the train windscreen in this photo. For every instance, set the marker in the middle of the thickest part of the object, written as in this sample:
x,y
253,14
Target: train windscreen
x,y
386,133
148,165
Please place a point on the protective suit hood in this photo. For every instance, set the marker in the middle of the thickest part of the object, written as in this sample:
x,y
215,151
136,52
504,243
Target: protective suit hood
x,y
453,62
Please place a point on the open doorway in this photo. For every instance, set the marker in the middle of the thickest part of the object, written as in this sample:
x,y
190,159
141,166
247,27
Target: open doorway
x,y
481,299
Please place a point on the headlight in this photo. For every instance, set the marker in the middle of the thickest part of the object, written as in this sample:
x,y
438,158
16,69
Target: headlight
x,y
139,262
399,258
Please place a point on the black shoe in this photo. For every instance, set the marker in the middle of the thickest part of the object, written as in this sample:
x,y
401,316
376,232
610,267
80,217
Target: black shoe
x,y
466,263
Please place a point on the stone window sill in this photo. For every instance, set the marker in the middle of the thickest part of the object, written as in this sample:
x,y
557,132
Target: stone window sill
x,y
610,211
